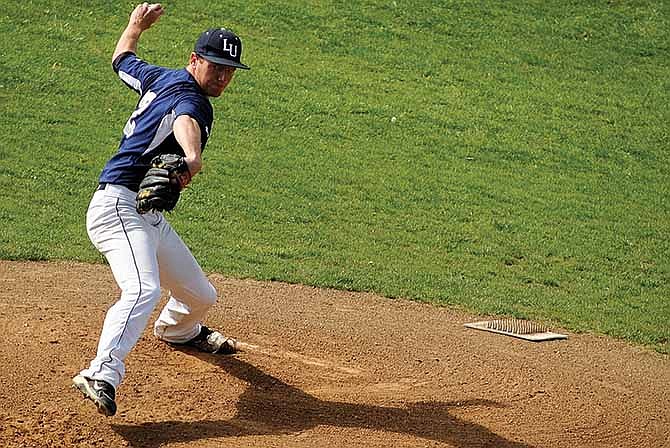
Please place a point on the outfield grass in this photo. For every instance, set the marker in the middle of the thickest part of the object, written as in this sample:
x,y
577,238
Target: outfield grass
x,y
504,157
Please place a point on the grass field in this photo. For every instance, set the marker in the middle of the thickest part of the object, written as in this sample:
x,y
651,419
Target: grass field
x,y
504,157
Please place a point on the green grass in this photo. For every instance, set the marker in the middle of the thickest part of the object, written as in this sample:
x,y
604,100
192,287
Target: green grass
x,y
504,157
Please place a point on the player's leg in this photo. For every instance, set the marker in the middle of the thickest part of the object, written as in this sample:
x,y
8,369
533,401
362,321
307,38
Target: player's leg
x,y
129,242
191,293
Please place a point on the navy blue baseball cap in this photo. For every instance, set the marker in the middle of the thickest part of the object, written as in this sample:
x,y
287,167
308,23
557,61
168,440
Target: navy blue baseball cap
x,y
220,46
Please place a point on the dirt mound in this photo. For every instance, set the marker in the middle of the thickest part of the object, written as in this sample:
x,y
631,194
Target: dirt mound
x,y
321,368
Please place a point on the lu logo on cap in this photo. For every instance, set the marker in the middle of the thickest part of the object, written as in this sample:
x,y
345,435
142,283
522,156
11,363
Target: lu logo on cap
x,y
231,49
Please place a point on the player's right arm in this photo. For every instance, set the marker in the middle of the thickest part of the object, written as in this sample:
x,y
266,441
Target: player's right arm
x,y
142,17
133,71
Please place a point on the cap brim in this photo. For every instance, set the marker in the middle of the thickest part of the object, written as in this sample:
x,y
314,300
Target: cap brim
x,y
222,61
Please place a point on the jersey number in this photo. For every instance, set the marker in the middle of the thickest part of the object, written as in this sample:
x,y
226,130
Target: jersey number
x,y
144,103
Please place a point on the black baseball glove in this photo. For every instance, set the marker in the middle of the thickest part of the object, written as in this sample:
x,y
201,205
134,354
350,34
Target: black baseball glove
x,y
161,186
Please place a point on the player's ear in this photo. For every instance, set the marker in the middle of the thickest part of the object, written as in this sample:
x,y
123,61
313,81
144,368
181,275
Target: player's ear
x,y
193,59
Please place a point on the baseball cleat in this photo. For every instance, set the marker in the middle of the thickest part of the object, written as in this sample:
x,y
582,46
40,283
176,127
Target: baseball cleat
x,y
101,393
212,341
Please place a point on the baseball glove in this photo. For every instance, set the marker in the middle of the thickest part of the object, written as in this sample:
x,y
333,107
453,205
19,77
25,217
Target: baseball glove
x,y
161,186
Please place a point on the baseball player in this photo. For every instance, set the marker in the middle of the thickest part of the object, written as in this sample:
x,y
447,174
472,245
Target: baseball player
x,y
159,153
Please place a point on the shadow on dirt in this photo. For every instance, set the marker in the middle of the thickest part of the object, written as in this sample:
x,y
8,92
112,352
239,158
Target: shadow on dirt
x,y
271,407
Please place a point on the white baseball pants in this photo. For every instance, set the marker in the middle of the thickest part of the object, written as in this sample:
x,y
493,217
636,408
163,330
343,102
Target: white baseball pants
x,y
144,252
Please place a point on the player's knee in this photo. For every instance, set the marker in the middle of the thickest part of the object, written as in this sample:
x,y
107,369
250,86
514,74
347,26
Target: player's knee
x,y
209,295
200,296
154,292
151,294
142,292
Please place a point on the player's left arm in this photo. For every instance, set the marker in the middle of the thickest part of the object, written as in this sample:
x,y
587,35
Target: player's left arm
x,y
187,133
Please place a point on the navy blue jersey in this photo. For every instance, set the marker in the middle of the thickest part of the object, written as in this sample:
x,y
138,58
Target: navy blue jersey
x,y
165,94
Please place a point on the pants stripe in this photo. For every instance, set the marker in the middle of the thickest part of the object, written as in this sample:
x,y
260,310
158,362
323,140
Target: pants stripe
x,y
139,294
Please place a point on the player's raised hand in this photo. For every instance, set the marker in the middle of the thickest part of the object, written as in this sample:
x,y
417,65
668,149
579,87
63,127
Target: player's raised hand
x,y
146,14
142,17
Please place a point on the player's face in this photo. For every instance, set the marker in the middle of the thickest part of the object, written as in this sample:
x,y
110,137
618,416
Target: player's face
x,y
212,78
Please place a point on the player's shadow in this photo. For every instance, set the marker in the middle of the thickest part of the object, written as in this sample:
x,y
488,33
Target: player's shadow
x,y
270,406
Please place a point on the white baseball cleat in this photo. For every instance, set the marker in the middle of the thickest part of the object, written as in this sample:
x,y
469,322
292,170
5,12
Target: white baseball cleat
x,y
101,393
211,341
